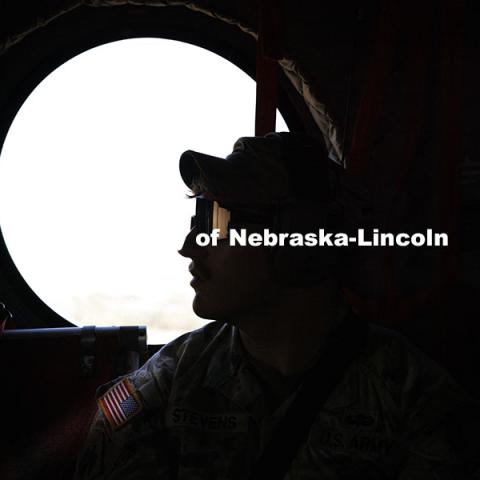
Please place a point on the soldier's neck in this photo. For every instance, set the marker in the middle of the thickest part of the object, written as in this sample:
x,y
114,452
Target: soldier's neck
x,y
289,335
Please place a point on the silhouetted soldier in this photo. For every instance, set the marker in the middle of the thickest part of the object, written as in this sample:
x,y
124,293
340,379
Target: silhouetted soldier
x,y
287,382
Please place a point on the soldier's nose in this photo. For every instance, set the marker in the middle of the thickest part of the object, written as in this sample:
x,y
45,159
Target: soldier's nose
x,y
190,248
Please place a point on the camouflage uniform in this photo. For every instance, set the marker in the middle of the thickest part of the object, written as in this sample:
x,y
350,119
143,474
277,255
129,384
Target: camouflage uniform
x,y
205,416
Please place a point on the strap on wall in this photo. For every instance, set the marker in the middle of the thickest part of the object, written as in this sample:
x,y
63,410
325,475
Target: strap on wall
x,y
5,316
268,54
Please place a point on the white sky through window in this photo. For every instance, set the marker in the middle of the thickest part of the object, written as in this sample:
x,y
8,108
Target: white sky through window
x,y
92,206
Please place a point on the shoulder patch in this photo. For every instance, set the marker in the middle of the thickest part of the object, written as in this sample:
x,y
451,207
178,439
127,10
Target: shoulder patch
x,y
120,403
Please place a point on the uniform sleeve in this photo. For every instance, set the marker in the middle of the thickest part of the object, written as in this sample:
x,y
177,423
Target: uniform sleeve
x,y
139,448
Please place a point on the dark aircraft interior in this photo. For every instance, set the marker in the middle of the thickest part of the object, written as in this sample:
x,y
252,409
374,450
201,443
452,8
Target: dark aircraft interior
x,y
390,87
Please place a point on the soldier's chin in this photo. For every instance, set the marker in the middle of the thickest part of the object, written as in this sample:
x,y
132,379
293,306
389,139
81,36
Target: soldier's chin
x,y
214,311
203,308
209,310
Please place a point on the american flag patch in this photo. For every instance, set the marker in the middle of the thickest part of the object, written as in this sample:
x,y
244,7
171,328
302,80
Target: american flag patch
x,y
120,403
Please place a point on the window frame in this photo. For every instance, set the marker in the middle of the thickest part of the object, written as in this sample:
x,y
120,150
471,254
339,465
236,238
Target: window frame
x,y
31,60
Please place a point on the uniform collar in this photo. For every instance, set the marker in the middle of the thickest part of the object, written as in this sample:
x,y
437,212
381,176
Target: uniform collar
x,y
230,373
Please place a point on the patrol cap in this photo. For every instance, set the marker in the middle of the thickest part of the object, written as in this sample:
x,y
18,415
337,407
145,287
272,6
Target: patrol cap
x,y
266,170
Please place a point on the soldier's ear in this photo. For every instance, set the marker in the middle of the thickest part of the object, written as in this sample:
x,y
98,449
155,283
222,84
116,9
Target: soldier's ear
x,y
304,266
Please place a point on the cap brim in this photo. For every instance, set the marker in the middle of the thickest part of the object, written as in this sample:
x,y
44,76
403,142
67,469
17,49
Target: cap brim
x,y
240,178
211,172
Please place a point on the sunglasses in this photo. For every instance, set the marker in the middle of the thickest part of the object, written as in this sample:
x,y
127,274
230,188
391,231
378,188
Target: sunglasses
x,y
209,215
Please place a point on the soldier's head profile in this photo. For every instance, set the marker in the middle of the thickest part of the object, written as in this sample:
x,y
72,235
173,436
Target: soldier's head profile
x,y
278,183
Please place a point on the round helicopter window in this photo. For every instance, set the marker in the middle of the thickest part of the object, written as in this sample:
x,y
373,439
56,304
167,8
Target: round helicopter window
x,y
92,207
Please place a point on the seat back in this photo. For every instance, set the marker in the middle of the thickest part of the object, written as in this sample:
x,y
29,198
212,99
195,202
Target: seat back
x,y
49,378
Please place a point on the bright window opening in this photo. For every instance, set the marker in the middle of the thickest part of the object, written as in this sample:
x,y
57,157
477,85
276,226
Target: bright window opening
x,y
92,207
